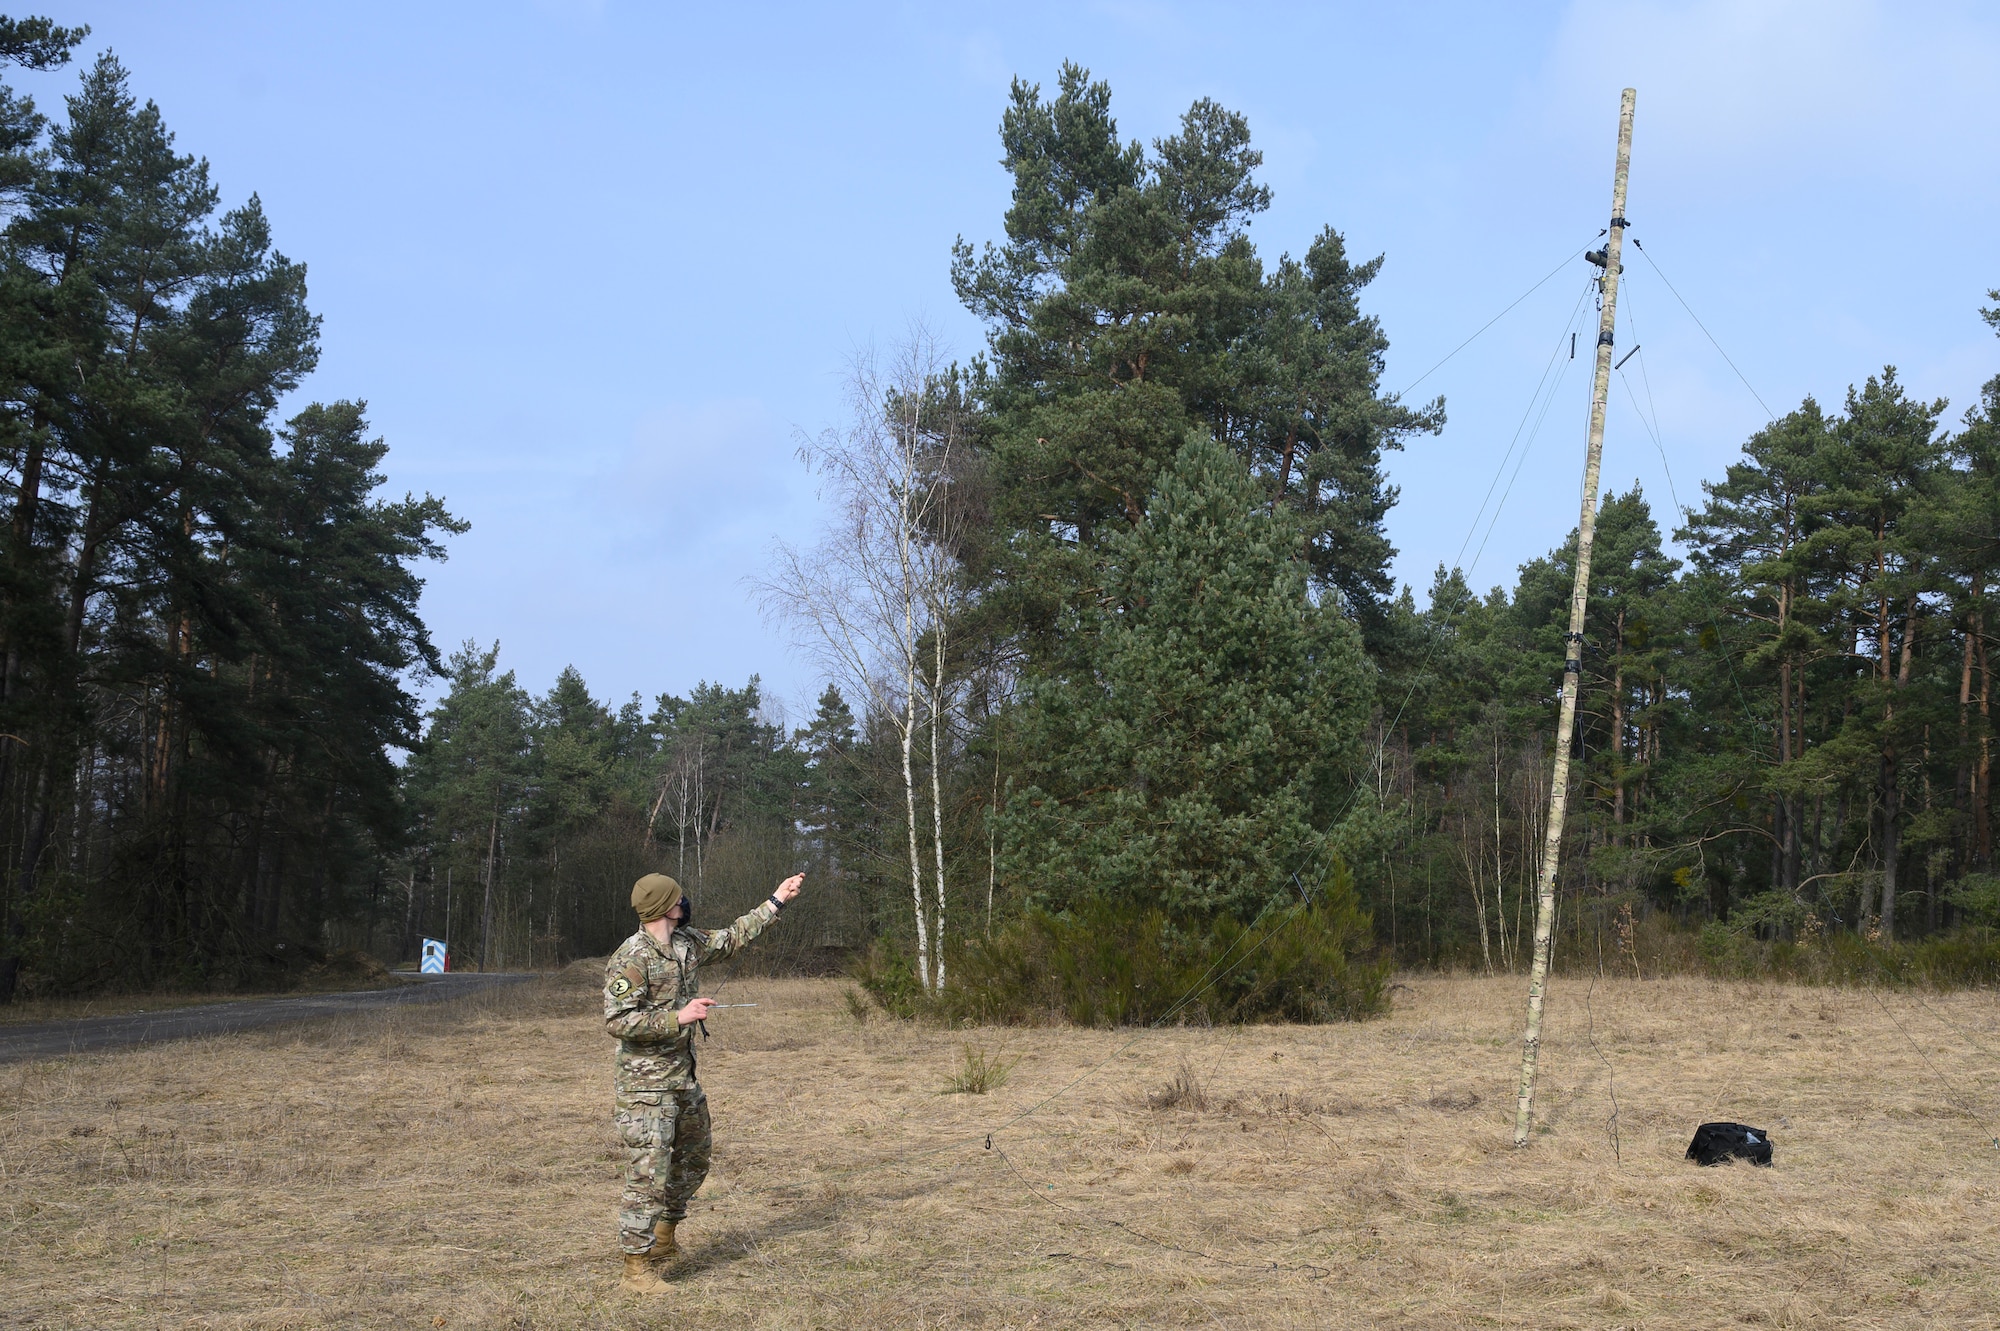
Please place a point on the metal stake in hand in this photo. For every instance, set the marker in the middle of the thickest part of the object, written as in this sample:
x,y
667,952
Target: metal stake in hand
x,y
712,1007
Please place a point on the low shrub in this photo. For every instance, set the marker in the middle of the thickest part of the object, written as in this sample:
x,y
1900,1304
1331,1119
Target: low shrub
x,y
1977,896
889,975
1964,958
1113,965
1184,1090
979,1073
1961,959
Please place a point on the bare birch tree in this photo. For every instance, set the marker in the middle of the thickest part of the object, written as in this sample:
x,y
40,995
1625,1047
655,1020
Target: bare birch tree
x,y
684,785
873,599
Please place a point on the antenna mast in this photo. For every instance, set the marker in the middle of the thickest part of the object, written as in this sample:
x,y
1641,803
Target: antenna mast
x,y
1586,529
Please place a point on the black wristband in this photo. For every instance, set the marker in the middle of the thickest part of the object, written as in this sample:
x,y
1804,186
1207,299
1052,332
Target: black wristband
x,y
775,902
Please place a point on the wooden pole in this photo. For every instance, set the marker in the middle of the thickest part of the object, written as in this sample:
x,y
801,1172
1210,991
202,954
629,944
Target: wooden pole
x,y
1586,528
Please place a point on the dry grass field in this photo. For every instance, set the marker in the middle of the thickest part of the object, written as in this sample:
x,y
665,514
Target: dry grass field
x,y
455,1168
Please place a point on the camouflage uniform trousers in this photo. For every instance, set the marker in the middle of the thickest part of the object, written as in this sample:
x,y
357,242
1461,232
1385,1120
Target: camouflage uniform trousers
x,y
667,1147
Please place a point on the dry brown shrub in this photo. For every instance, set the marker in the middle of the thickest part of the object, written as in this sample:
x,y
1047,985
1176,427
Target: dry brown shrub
x,y
1186,1089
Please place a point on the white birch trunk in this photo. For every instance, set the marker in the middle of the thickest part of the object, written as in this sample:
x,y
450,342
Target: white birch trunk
x,y
882,578
993,842
937,795
916,861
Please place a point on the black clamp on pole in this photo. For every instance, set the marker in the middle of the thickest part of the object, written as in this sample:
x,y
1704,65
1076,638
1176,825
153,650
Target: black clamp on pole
x,y
1619,221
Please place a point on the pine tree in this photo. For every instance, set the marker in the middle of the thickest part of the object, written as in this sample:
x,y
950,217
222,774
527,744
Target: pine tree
x,y
1971,521
1129,305
36,43
830,814
469,776
1307,414
1197,764
1885,451
204,640
1757,533
1630,628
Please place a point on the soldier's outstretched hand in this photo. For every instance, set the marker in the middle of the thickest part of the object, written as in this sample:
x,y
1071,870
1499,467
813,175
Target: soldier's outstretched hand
x,y
789,888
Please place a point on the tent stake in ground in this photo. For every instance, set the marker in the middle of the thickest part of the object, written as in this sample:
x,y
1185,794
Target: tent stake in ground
x,y
1586,527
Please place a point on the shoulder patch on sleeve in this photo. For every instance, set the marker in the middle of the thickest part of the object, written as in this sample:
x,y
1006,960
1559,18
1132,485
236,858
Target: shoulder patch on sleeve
x,y
626,981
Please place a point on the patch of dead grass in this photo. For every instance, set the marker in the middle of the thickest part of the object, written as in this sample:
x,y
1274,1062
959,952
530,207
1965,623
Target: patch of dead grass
x,y
454,1166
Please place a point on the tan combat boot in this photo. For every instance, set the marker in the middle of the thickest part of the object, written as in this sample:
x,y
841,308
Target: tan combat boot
x,y
664,1247
640,1277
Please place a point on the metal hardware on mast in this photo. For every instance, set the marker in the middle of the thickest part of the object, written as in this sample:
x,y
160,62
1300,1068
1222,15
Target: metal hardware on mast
x,y
1586,528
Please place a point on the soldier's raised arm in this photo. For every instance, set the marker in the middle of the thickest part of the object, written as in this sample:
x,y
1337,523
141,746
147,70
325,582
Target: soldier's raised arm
x,y
720,943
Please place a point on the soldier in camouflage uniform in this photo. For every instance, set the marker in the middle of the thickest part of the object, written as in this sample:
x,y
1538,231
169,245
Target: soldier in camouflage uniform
x,y
651,1009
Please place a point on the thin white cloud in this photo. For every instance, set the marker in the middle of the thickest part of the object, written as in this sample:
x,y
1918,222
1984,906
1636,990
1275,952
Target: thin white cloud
x,y
694,469
1772,94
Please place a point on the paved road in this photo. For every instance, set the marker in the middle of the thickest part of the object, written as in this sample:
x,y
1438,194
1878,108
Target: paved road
x,y
52,1039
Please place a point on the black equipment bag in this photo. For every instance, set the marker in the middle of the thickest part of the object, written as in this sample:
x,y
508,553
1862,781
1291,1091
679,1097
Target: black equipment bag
x,y
1720,1143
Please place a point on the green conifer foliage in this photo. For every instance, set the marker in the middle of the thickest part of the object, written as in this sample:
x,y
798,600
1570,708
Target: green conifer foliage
x,y
1129,305
208,620
1193,765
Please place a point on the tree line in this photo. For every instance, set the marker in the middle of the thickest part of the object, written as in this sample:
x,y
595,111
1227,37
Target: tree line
x,y
1786,735
1121,695
207,617
531,815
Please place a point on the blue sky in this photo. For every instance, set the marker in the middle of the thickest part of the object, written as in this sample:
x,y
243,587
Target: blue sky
x,y
595,265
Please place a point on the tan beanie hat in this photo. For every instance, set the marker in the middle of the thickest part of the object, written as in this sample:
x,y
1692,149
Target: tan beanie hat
x,y
655,897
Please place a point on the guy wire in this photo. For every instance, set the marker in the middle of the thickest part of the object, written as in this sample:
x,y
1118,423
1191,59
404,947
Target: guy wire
x,y
1305,898
1963,1105
1451,612
1430,652
1213,976
1956,1029
1548,403
1458,560
1567,259
1704,330
1652,429
1645,375
1610,1073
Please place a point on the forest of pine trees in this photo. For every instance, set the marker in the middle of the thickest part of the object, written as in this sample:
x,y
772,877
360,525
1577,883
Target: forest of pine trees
x,y
208,621
1117,660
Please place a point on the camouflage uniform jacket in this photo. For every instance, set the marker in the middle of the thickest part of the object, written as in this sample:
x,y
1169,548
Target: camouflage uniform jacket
x,y
646,983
